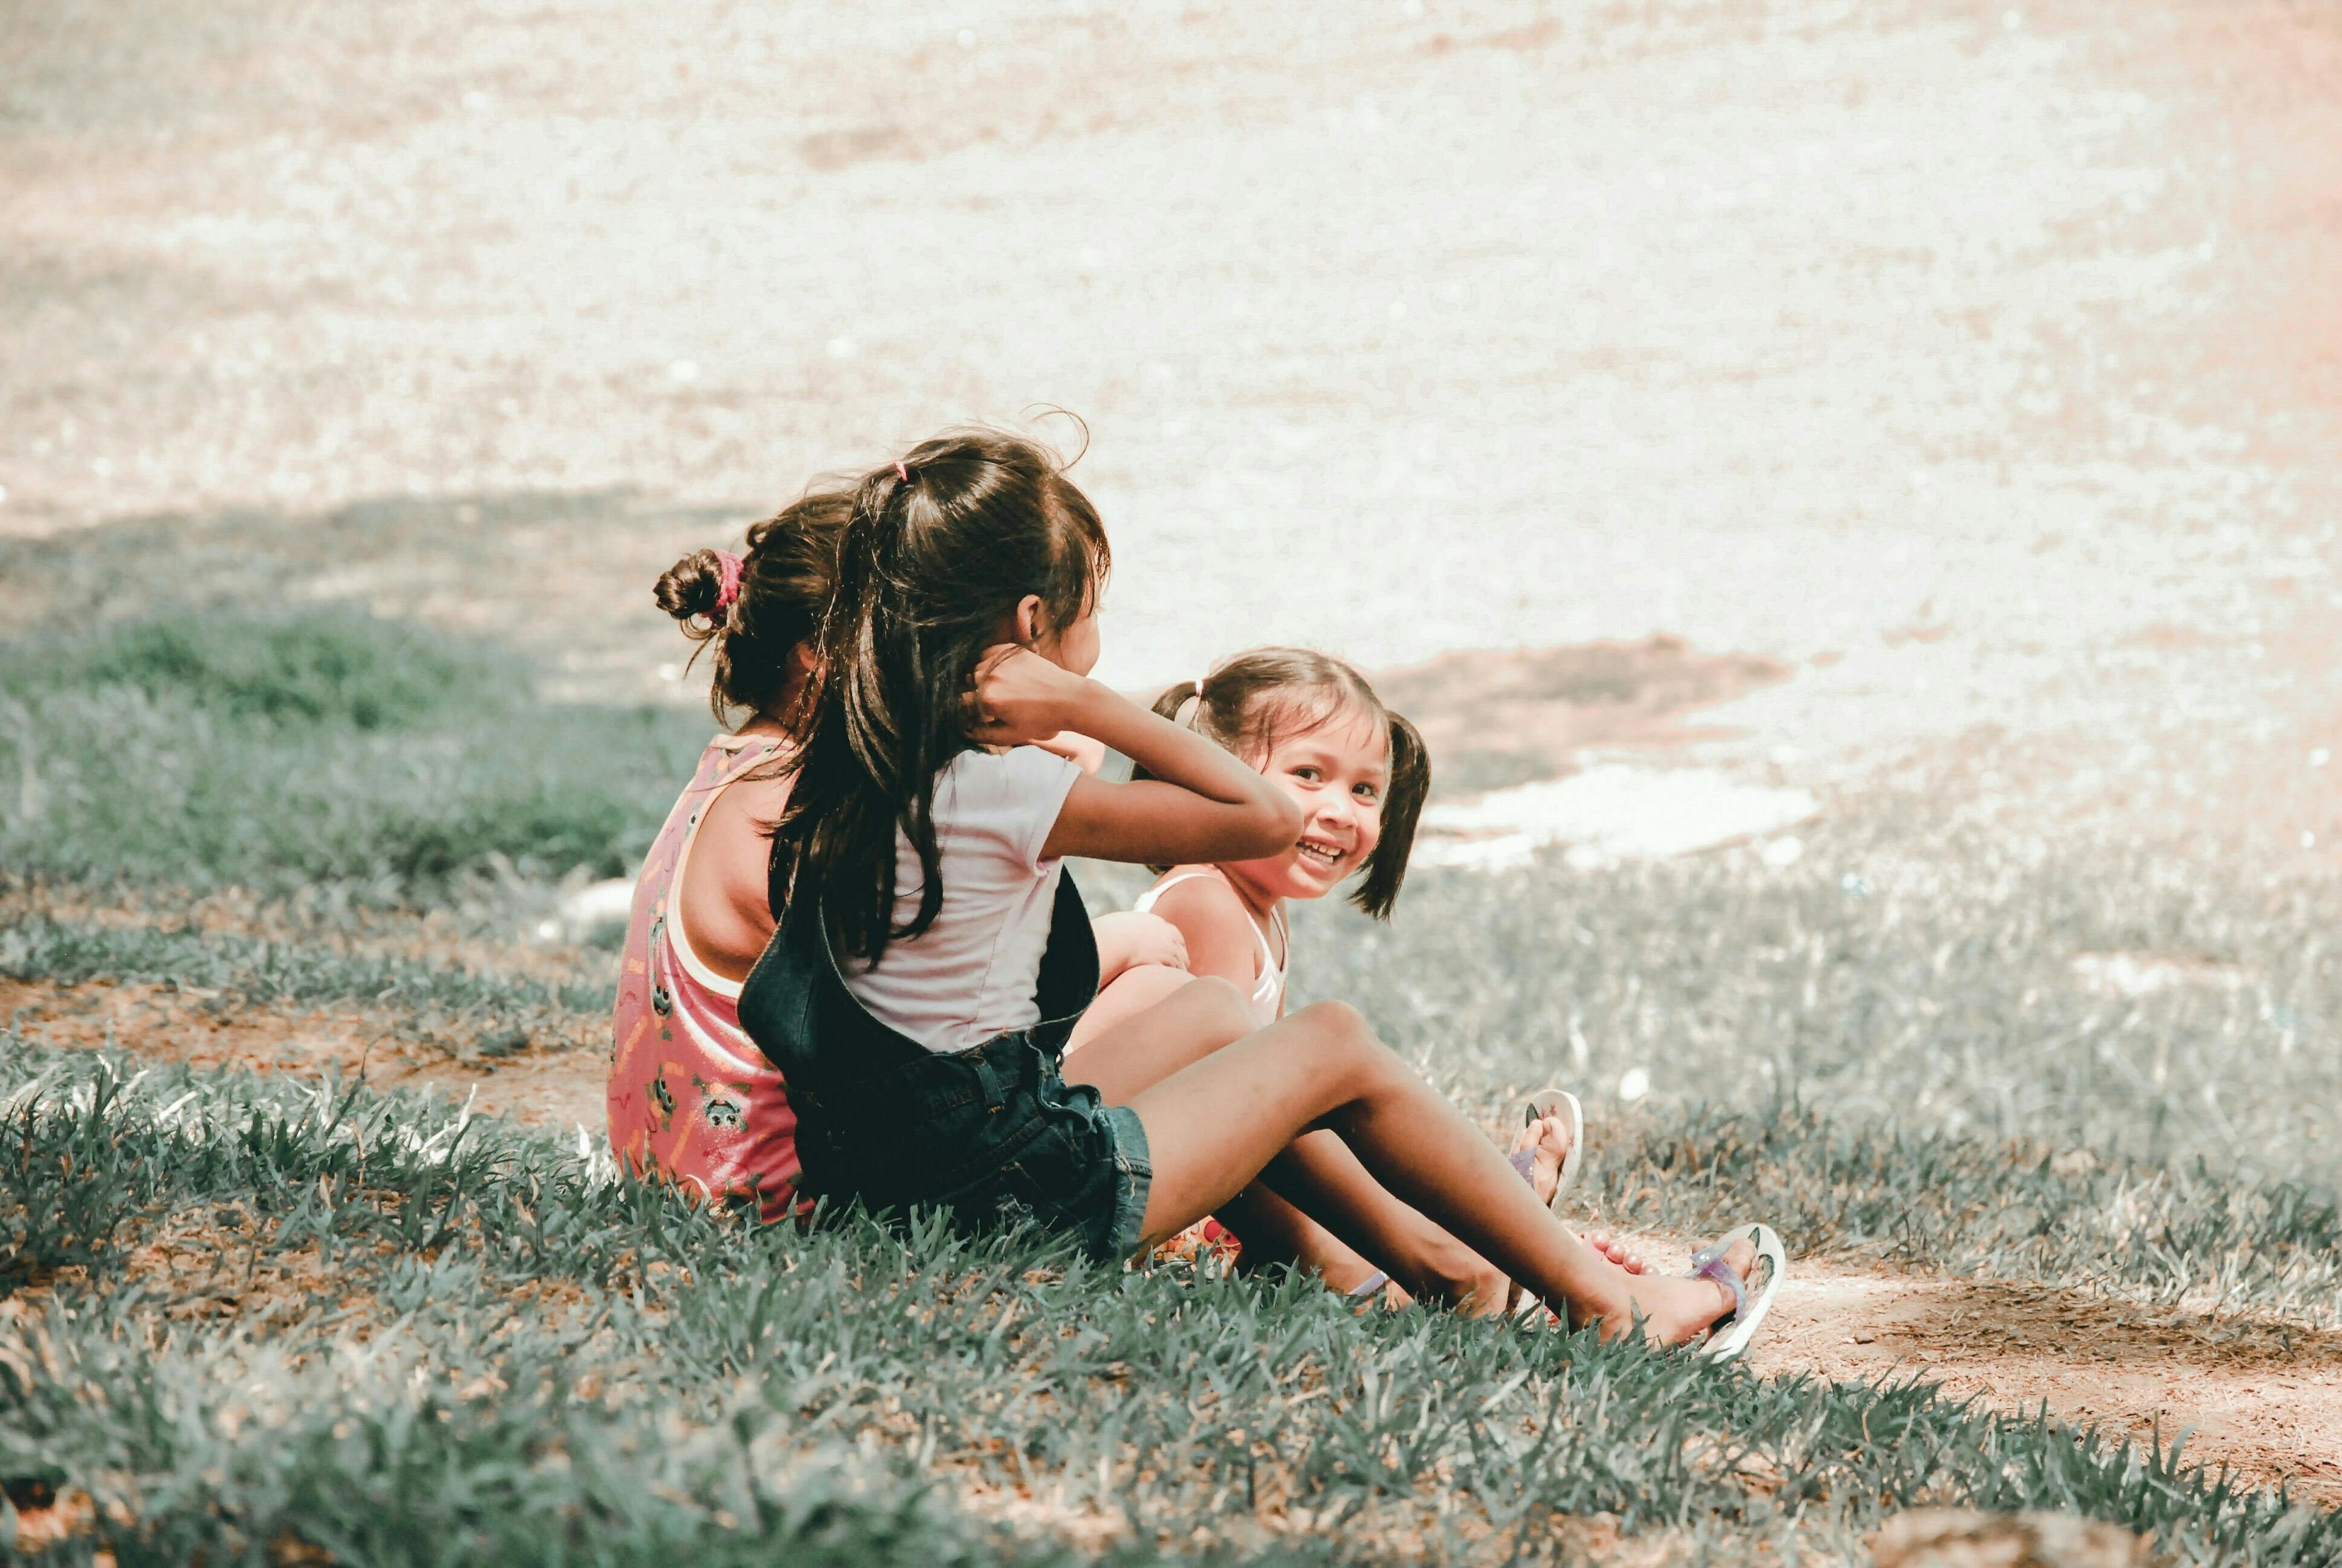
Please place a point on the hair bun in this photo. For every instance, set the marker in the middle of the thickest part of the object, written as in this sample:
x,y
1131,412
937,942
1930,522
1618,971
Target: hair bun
x,y
691,587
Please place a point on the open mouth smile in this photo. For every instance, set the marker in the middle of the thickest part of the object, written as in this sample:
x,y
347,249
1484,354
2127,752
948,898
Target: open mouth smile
x,y
1318,852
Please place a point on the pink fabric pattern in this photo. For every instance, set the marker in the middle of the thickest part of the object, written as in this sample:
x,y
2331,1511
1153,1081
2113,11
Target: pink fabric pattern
x,y
692,1100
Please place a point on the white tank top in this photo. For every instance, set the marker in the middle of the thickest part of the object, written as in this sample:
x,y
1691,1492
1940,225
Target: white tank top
x,y
1268,990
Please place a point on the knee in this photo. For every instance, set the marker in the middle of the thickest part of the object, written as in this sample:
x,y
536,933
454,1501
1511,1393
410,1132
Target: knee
x,y
1339,1020
1342,1028
1227,1012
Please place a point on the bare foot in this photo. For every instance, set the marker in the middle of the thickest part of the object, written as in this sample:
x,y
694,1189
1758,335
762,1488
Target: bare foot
x,y
1603,1245
1677,1310
1547,1138
1610,1247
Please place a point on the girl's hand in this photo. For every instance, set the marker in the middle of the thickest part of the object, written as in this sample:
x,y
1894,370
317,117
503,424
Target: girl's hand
x,y
1128,939
1020,698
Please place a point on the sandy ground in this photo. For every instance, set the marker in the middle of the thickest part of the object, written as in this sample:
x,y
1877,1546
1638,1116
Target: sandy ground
x,y
1937,369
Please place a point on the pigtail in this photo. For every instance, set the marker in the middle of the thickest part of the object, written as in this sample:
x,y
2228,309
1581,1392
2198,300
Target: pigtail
x,y
1174,699
1410,784
691,591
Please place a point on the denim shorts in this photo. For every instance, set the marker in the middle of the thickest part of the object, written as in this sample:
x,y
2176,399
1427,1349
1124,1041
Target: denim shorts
x,y
1026,1149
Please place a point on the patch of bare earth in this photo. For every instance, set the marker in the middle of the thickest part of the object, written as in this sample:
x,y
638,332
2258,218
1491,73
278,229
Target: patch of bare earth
x,y
557,1086
1527,713
2260,1395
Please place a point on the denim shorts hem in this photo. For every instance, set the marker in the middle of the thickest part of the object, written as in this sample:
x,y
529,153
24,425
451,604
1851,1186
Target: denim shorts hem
x,y
1134,1177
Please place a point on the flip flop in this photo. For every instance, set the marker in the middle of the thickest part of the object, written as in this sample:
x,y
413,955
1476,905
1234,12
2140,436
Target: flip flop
x,y
1553,1101
1747,1315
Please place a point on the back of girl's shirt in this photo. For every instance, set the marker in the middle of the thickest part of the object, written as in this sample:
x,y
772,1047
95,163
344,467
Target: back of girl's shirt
x,y
970,976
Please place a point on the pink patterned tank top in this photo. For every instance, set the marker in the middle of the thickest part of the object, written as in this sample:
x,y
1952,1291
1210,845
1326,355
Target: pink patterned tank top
x,y
692,1098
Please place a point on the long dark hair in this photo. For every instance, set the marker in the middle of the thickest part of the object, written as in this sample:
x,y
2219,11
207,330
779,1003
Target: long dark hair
x,y
783,588
1258,699
941,548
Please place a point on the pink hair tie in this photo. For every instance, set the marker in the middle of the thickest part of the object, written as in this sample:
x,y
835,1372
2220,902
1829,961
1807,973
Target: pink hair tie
x,y
902,473
727,591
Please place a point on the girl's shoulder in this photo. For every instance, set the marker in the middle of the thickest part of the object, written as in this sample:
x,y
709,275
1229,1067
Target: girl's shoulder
x,y
1201,892
1019,783
1012,797
1223,938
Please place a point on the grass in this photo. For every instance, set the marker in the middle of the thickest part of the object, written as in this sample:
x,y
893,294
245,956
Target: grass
x,y
255,1320
1882,985
521,1359
280,751
1946,1204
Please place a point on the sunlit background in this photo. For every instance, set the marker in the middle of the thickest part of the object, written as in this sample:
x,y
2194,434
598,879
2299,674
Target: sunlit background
x,y
1981,363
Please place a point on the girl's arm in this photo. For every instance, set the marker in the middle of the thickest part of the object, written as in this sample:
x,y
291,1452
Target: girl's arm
x,y
1202,804
1128,938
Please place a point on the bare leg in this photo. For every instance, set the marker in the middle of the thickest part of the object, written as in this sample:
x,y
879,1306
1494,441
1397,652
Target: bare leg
x,y
1274,1232
1158,1020
1320,1176
1337,1216
1213,1126
1183,1024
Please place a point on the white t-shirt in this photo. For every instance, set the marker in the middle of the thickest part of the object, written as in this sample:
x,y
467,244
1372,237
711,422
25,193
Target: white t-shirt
x,y
970,976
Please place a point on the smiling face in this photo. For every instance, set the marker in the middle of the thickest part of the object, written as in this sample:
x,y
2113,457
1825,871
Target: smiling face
x,y
1339,772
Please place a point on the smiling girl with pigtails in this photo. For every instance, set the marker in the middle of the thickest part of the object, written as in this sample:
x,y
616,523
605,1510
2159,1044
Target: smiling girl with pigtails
x,y
1313,725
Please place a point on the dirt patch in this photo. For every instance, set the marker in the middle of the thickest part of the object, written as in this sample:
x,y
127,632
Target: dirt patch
x,y
1495,718
2260,1395
560,1088
1961,1538
48,1518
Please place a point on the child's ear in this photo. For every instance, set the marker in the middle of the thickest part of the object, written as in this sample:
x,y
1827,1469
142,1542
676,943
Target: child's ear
x,y
1028,620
